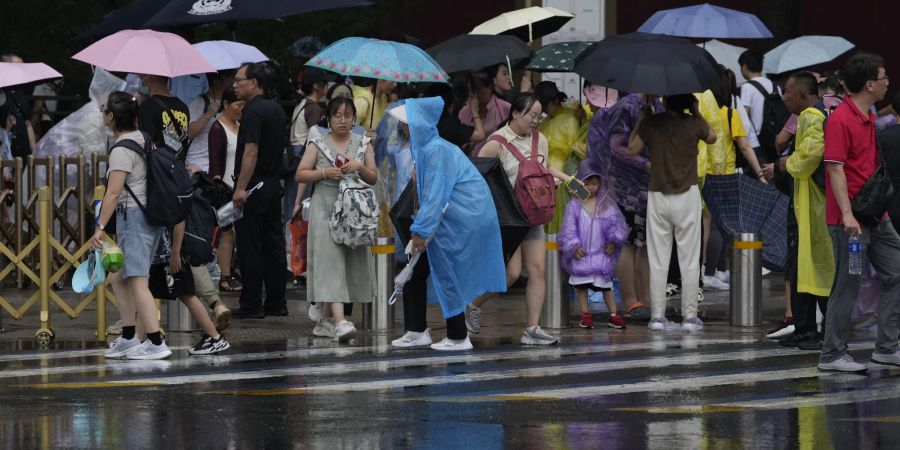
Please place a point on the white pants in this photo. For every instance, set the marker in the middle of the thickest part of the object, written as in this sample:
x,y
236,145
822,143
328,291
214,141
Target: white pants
x,y
674,217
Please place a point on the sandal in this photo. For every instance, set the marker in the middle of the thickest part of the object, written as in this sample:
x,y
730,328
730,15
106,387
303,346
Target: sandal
x,y
230,284
637,311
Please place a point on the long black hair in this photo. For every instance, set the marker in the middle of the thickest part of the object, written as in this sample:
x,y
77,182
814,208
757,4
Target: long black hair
x,y
229,95
521,103
124,110
335,105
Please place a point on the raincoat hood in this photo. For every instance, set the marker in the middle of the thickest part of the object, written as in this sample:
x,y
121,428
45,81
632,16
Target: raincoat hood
x,y
423,115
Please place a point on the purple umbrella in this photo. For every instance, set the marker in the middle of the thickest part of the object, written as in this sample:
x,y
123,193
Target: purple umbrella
x,y
706,21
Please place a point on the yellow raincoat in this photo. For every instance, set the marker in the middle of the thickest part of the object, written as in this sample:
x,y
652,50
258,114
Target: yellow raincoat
x,y
561,130
362,98
721,158
815,259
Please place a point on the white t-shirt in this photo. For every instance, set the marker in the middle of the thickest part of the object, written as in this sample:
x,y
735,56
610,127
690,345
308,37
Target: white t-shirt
x,y
738,105
132,163
299,130
751,97
198,153
49,105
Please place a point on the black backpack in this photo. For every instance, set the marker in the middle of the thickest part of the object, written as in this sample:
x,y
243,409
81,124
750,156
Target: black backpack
x,y
169,190
775,115
199,229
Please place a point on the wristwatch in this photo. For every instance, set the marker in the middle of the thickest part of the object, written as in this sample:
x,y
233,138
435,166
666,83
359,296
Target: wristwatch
x,y
101,227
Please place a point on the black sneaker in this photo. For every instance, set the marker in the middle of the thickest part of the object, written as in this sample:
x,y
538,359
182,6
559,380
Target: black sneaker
x,y
209,346
282,311
790,340
242,313
811,341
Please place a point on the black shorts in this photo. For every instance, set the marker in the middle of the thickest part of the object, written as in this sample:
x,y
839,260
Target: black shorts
x,y
638,225
162,287
591,287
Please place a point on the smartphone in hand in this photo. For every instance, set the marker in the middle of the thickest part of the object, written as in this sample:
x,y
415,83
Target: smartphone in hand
x,y
575,185
340,160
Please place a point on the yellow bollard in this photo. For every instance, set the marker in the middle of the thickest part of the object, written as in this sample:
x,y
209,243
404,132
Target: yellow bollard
x,y
45,334
99,193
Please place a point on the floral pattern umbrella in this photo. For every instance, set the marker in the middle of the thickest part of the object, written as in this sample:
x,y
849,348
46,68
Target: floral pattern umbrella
x,y
384,60
559,57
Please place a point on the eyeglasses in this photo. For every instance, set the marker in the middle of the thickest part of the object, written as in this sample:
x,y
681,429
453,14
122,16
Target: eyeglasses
x,y
885,78
534,117
338,118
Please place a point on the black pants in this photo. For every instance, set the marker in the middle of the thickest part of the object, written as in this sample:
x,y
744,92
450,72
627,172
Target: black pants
x,y
261,248
415,303
803,304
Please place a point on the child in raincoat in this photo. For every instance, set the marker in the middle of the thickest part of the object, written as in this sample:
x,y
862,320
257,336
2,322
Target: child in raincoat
x,y
591,239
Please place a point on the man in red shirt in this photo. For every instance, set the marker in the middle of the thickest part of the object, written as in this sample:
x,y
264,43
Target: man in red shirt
x,y
851,154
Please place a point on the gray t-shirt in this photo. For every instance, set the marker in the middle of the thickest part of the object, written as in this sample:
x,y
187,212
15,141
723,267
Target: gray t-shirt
x,y
129,161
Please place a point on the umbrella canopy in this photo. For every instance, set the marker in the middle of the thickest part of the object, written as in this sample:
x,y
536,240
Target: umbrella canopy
x,y
476,51
513,226
224,55
804,51
559,57
12,74
706,21
740,204
649,63
146,52
384,60
171,13
726,55
526,24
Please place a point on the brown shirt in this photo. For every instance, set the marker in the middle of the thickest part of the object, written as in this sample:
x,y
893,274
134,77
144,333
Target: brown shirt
x,y
672,141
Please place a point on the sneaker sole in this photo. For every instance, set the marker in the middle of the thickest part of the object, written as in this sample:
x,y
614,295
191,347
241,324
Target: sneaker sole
x,y
585,326
886,363
346,337
161,355
860,371
615,327
532,341
121,354
203,353
411,345
223,321
452,349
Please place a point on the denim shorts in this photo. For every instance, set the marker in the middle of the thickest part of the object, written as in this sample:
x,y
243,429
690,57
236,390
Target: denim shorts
x,y
138,240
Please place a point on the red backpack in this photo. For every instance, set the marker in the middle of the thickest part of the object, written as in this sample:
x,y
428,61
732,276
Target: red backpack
x,y
535,189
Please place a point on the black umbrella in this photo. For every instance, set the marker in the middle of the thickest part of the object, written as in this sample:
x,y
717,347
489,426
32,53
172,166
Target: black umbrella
x,y
650,64
474,52
513,226
172,13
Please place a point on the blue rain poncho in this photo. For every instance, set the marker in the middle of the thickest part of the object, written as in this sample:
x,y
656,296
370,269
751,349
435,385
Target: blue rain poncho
x,y
456,210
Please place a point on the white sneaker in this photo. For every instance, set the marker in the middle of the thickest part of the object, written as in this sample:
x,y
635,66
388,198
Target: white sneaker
x,y
473,322
715,283
344,331
315,312
692,324
888,360
413,339
765,271
537,336
149,351
451,345
724,277
324,328
663,324
843,364
122,347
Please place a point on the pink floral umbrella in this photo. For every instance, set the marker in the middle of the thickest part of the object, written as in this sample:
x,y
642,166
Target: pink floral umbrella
x,y
145,52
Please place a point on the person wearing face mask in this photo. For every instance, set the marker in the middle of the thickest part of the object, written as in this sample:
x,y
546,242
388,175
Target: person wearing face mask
x,y
525,116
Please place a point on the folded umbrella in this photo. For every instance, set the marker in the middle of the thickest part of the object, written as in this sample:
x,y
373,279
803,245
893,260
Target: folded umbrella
x,y
804,51
706,21
475,52
225,55
739,204
650,64
12,74
527,24
558,57
145,52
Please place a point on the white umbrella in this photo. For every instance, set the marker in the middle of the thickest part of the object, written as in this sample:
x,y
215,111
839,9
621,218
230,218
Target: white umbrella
x,y
225,55
726,55
804,51
528,24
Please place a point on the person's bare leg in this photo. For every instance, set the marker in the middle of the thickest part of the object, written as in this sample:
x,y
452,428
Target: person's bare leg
x,y
198,311
707,232
582,295
124,299
337,311
513,272
642,274
224,252
534,253
787,299
610,298
144,303
625,273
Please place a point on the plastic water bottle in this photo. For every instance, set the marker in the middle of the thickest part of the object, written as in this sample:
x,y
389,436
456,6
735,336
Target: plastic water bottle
x,y
229,214
855,261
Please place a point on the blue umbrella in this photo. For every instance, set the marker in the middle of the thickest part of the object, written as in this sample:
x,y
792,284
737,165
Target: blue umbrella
x,y
706,21
740,204
383,60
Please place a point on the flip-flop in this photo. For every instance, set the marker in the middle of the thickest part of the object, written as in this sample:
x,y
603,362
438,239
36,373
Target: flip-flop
x,y
637,311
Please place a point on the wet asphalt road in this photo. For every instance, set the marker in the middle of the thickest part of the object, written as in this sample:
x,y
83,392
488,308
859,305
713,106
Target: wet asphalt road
x,y
722,388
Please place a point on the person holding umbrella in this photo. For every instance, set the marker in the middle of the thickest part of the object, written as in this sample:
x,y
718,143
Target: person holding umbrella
x,y
673,201
455,228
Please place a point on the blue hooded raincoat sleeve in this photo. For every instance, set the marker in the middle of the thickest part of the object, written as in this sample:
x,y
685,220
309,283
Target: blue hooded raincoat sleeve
x,y
457,211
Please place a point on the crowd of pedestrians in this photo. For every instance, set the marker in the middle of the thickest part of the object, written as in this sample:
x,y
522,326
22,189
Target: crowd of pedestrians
x,y
618,180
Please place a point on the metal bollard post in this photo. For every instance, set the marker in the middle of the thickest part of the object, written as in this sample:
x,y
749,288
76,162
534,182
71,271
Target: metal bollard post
x,y
555,313
179,318
746,280
45,334
379,315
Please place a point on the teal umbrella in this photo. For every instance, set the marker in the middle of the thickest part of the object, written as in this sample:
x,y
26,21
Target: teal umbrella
x,y
559,57
804,51
383,60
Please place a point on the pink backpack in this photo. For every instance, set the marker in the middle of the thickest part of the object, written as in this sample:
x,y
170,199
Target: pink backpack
x,y
535,189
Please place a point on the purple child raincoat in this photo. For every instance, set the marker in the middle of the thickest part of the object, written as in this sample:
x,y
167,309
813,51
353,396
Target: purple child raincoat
x,y
579,230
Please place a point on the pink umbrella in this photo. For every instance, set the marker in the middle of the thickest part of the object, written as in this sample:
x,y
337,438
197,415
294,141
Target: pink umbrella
x,y
12,74
146,52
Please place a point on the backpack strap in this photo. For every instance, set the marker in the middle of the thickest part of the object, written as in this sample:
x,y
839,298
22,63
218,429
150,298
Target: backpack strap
x,y
535,141
512,148
759,87
144,151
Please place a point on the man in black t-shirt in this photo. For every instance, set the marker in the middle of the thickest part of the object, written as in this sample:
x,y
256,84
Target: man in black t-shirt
x,y
259,158
164,117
